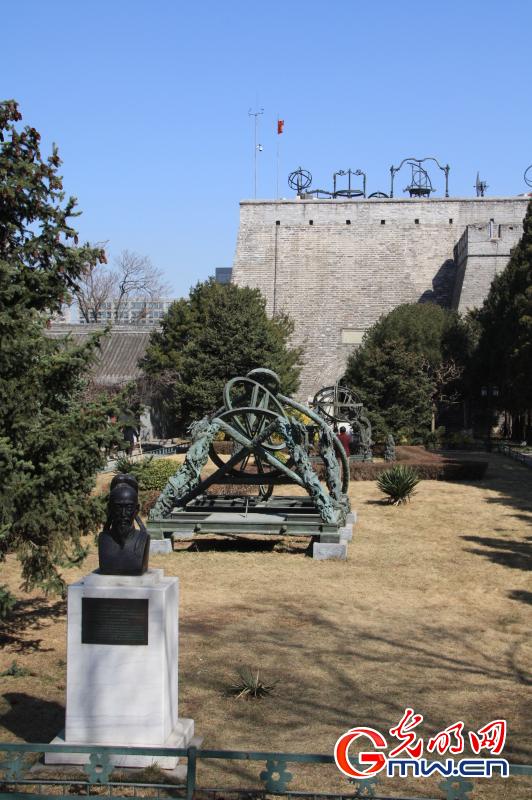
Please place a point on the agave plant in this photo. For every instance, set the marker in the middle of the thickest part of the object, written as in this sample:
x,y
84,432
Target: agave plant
x,y
250,685
398,483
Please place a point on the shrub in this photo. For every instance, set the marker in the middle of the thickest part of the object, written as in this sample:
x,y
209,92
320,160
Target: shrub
x,y
232,489
398,483
151,473
15,671
250,685
155,474
147,500
435,438
428,465
134,466
7,602
460,440
224,448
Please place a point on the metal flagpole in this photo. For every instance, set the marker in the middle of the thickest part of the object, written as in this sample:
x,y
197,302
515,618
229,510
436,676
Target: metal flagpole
x,y
255,114
277,165
280,126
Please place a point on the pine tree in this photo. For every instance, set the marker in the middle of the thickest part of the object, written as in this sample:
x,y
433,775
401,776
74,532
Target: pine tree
x,y
51,442
219,332
504,356
394,388
410,365
434,332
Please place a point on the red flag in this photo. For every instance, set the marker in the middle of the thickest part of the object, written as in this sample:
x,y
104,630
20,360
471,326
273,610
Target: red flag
x,y
280,125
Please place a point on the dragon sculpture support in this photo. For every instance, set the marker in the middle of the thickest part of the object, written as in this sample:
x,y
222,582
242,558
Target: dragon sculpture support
x,y
189,475
331,509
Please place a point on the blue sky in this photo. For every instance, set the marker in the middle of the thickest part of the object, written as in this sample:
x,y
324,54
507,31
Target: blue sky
x,y
148,102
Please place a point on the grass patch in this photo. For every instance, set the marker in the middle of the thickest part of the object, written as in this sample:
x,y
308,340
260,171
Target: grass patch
x,y
432,610
15,671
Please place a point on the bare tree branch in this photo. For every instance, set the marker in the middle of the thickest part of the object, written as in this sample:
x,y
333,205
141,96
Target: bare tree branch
x,y
98,286
137,277
442,376
95,287
133,276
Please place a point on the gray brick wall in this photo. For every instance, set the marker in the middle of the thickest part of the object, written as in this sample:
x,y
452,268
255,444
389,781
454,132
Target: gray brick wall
x,y
482,252
334,278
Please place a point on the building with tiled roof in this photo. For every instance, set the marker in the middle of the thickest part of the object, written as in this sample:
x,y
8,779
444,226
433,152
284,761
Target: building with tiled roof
x,y
120,352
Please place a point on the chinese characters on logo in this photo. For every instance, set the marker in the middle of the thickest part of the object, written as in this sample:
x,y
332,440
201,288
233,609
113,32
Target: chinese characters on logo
x,y
406,756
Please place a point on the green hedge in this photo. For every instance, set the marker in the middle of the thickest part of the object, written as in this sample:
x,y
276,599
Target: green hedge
x,y
155,474
428,465
151,473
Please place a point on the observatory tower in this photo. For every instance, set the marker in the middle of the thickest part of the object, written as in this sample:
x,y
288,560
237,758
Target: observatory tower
x,y
335,260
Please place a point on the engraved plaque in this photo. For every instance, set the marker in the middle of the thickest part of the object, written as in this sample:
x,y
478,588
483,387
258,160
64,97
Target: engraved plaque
x,y
114,621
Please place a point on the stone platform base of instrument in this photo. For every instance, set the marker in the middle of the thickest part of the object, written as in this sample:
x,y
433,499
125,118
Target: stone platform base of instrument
x,y
244,516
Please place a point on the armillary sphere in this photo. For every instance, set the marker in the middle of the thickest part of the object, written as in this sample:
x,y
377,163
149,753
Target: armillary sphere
x,y
299,179
528,176
420,184
249,408
377,194
337,403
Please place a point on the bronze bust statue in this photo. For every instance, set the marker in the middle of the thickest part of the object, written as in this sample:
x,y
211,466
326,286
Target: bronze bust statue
x,y
122,548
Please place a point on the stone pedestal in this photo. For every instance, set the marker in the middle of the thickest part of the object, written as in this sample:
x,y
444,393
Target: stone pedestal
x,y
346,533
158,546
323,551
122,667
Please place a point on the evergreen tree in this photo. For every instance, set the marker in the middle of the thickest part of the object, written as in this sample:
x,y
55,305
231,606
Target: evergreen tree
x,y
434,332
51,443
409,365
394,388
504,356
219,332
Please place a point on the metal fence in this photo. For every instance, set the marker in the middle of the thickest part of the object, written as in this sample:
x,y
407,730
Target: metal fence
x,y
517,453
24,776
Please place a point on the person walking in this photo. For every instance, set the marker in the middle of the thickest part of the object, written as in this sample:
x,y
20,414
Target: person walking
x,y
346,440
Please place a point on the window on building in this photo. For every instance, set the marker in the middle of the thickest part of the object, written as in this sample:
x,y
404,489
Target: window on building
x,y
494,231
352,335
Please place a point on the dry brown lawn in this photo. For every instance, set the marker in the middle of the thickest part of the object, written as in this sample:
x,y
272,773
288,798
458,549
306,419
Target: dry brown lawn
x,y
432,610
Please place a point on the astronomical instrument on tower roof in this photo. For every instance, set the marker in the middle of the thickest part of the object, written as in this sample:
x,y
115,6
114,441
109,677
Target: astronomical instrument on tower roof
x,y
480,186
299,180
420,184
528,176
350,191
